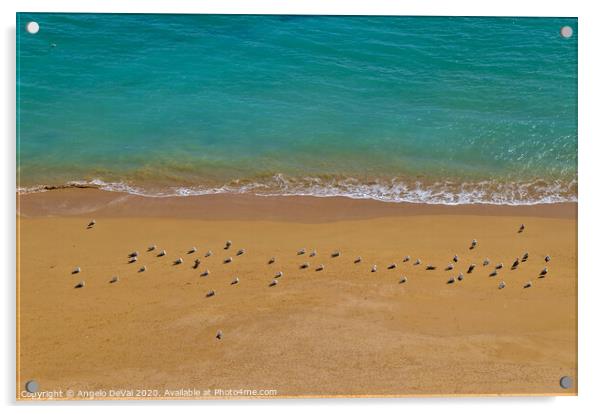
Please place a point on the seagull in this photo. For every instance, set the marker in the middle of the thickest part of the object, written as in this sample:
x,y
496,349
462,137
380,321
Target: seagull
x,y
205,273
522,228
417,262
460,277
313,253
320,268
494,273
227,260
335,254
240,252
76,270
471,268
234,281
133,254
431,267
543,272
273,283
403,279
142,269
486,262
527,285
210,293
547,258
525,257
193,250
502,285
449,267
451,280
162,253
473,244
499,266
91,224
300,252
272,260
278,274
196,264
115,279
80,285
304,265
405,259
209,253
133,260
151,248
358,260
178,261
373,270
515,264
219,335
228,244
392,266
455,259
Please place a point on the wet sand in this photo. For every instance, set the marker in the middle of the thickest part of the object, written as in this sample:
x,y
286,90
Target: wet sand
x,y
342,331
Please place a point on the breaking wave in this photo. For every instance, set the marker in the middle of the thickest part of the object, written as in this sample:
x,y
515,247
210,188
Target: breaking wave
x,y
394,190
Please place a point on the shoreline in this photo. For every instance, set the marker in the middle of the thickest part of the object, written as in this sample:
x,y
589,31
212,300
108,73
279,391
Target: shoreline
x,y
101,203
393,190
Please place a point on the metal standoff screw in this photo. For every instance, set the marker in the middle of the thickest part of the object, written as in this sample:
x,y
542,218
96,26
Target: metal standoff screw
x,y
31,386
566,382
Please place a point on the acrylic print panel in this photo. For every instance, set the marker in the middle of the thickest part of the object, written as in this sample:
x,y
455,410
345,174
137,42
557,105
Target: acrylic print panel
x,y
216,206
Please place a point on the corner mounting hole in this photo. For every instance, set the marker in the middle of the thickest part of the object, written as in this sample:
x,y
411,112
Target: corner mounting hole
x,y
31,386
566,382
33,27
566,31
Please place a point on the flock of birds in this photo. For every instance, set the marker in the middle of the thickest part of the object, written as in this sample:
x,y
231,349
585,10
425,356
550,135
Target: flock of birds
x,y
133,258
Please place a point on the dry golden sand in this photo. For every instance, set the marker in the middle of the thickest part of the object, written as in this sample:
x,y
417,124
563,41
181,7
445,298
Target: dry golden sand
x,y
342,331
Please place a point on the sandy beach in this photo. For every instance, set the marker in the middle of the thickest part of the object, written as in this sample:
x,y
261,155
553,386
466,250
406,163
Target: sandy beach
x,y
341,331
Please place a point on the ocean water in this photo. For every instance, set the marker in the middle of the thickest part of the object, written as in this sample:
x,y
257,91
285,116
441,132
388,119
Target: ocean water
x,y
420,109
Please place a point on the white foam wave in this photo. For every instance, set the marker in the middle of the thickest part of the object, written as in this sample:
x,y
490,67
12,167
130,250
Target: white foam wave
x,y
392,190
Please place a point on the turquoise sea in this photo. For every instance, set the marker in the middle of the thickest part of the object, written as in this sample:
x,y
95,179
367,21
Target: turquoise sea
x,y
420,109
